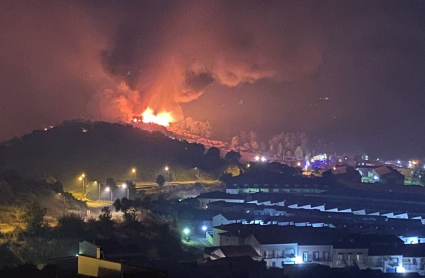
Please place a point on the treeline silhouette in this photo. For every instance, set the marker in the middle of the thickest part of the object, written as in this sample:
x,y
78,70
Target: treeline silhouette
x,y
103,150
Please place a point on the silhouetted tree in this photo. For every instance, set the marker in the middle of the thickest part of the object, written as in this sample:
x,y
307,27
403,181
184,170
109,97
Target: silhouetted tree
x,y
105,214
32,215
71,226
105,222
160,180
111,183
233,157
127,207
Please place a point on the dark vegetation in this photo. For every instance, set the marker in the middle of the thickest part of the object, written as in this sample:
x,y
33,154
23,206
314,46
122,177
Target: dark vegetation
x,y
150,224
17,192
103,150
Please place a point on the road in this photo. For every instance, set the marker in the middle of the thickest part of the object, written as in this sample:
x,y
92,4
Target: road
x,y
140,185
199,242
91,203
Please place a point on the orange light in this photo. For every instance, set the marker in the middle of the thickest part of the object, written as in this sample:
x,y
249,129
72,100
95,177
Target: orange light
x,y
162,118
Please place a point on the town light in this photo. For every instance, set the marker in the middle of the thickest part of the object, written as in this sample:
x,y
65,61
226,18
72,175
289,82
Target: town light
x,y
134,171
375,178
107,189
400,269
83,175
80,178
186,231
166,168
124,185
263,159
298,260
299,164
204,228
248,165
257,158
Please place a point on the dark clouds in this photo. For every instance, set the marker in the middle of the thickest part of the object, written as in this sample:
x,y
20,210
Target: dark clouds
x,y
112,59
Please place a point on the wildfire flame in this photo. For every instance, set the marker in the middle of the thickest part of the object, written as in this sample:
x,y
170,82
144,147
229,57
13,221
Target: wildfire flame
x,y
162,118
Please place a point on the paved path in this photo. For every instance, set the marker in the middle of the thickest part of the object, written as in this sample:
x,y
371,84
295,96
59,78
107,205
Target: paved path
x,y
199,242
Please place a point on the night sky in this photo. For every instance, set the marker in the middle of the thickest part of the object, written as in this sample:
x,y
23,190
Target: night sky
x,y
352,72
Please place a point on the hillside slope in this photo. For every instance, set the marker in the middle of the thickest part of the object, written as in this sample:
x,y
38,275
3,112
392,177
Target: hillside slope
x,y
102,150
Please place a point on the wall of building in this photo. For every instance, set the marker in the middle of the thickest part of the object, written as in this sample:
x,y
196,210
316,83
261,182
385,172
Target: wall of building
x,y
251,240
93,267
350,257
414,264
385,263
276,255
323,252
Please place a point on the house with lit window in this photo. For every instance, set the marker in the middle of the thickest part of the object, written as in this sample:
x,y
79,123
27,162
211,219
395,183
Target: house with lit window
x,y
382,174
319,252
387,174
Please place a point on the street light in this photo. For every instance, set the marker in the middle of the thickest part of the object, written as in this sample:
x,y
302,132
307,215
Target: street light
x,y
134,171
124,185
107,189
204,228
167,169
98,185
82,178
186,231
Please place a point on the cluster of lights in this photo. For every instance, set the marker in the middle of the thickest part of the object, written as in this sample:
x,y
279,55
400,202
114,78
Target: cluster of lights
x,y
82,177
262,158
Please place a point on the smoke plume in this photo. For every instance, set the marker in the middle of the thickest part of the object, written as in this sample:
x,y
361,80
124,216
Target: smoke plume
x,y
111,60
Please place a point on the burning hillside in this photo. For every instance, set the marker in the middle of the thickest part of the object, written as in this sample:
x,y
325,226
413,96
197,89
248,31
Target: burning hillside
x,y
150,117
